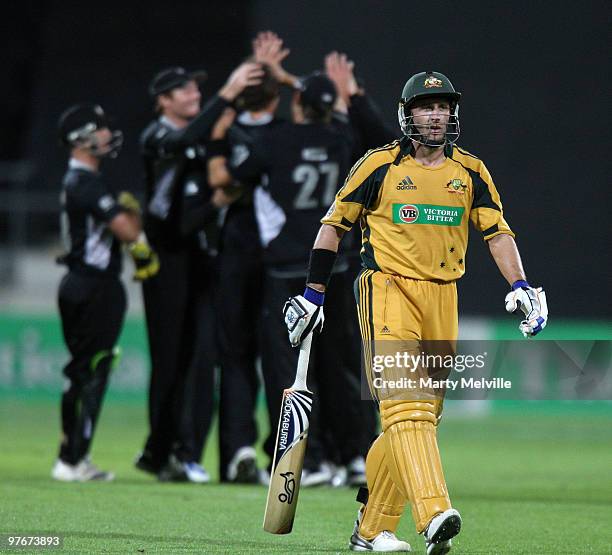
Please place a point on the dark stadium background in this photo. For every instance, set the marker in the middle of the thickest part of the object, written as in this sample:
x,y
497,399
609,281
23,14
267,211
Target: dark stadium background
x,y
535,105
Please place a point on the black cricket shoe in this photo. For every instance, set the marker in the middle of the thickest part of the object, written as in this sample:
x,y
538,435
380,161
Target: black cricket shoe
x,y
173,471
440,530
144,461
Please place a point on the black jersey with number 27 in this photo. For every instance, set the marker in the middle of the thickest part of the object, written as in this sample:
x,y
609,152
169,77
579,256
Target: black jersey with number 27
x,y
301,167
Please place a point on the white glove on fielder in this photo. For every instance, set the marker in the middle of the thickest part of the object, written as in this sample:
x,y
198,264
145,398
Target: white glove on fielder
x,y
532,302
302,317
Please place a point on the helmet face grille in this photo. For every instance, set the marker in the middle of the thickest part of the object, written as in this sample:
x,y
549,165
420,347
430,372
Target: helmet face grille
x,y
408,127
114,145
85,137
82,134
110,149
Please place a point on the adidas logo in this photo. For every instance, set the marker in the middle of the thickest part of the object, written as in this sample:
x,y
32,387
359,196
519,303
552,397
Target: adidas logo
x,y
406,184
385,330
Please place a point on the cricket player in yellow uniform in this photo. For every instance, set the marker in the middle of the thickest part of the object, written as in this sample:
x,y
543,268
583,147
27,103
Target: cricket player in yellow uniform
x,y
413,200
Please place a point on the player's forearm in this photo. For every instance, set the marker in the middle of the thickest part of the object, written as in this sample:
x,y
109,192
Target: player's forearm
x,y
507,257
218,176
288,79
198,130
328,239
230,91
341,106
243,76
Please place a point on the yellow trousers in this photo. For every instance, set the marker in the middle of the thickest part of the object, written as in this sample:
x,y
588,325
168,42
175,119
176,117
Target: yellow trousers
x,y
402,315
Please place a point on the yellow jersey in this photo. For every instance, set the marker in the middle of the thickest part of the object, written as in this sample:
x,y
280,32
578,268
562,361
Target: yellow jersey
x,y
414,218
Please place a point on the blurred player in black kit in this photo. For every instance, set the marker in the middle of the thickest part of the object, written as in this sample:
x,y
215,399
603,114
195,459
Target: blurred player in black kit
x,y
91,297
179,205
240,273
240,280
299,165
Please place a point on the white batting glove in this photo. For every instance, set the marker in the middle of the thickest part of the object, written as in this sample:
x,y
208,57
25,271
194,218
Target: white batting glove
x,y
303,315
532,302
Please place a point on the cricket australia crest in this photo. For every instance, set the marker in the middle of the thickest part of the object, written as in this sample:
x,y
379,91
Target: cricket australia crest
x,y
432,82
456,186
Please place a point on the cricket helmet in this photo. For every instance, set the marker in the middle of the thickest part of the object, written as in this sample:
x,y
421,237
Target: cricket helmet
x,y
428,84
77,126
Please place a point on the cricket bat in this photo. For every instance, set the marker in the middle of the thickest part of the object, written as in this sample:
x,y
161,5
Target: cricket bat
x,y
286,474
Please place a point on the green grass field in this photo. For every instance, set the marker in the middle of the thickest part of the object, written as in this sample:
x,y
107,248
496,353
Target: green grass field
x,y
531,478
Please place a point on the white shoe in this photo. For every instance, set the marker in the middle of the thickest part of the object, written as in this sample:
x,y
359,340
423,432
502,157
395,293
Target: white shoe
x,y
196,473
340,477
356,472
242,469
319,477
84,471
64,472
352,475
90,472
386,541
263,477
440,530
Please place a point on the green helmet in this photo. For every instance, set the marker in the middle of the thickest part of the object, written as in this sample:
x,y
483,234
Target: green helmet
x,y
428,84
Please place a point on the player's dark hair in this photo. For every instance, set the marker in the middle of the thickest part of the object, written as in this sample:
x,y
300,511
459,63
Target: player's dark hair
x,y
258,97
317,114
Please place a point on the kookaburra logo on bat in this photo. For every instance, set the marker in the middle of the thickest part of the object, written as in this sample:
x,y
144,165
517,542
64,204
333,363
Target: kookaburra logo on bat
x,y
287,495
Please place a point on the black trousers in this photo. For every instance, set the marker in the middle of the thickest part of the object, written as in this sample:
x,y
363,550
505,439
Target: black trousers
x,y
337,407
92,311
179,316
239,307
199,387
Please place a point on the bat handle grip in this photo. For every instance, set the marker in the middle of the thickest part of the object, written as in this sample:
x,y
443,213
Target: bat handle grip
x,y
302,366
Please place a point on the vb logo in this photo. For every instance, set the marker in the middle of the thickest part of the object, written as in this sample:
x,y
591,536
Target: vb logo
x,y
408,213
287,495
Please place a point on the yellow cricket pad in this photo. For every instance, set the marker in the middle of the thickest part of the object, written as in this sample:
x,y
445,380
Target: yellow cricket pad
x,y
412,456
392,412
385,501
